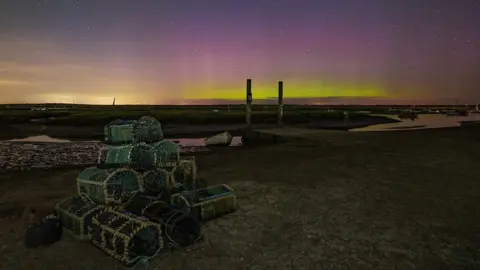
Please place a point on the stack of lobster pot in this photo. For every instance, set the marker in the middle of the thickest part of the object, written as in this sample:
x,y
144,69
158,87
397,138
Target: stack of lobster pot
x,y
128,169
142,197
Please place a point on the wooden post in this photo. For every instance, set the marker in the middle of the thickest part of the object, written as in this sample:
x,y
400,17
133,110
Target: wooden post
x,y
280,103
249,105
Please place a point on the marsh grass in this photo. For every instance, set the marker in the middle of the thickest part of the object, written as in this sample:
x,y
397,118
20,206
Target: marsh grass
x,y
177,116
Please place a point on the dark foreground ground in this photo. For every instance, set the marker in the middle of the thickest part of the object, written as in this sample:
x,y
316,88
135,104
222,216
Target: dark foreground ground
x,y
403,200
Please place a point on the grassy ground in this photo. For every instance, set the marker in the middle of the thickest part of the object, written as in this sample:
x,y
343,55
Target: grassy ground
x,y
88,123
190,116
403,200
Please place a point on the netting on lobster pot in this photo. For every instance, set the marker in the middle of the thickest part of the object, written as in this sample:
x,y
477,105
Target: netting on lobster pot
x,y
180,228
124,237
167,154
76,215
137,204
138,156
108,186
155,182
119,132
148,130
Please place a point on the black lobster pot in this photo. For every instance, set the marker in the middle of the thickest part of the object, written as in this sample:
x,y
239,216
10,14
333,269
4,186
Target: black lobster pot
x,y
75,215
179,227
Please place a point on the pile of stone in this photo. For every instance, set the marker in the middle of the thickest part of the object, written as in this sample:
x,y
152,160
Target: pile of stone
x,y
24,156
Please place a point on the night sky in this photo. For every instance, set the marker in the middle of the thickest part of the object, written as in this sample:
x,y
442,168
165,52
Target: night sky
x,y
201,51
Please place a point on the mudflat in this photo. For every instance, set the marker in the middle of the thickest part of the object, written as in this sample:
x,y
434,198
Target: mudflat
x,y
404,199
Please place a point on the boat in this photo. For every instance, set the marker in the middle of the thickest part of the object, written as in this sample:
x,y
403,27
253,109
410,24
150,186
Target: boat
x,y
222,139
476,109
451,113
456,113
408,114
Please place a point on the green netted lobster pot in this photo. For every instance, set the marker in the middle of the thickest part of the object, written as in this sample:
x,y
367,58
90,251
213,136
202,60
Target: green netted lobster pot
x,y
167,154
208,203
138,156
119,132
108,186
125,237
76,215
147,129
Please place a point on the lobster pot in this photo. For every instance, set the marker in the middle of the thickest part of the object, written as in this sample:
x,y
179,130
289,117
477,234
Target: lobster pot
x,y
156,181
124,237
214,202
138,156
186,172
119,132
179,227
108,186
167,154
76,215
148,130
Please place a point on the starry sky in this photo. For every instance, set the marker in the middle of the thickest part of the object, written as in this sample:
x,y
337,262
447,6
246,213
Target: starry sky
x,y
201,51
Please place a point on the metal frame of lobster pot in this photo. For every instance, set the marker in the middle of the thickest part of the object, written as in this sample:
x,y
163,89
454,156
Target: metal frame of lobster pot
x,y
75,215
186,172
138,156
167,154
208,203
125,237
108,186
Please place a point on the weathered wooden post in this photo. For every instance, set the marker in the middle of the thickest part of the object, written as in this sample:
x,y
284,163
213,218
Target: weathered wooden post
x,y
345,119
248,107
280,103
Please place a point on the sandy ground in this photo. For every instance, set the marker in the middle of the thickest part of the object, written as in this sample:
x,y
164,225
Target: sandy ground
x,y
403,200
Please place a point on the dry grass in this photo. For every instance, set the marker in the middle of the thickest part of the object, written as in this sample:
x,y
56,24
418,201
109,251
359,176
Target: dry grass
x,y
400,200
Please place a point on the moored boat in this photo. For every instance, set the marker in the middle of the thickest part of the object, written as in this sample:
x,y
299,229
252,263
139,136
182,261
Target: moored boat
x,y
222,139
409,114
456,113
477,110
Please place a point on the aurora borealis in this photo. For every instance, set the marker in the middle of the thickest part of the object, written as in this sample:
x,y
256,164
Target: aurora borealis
x,y
186,51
